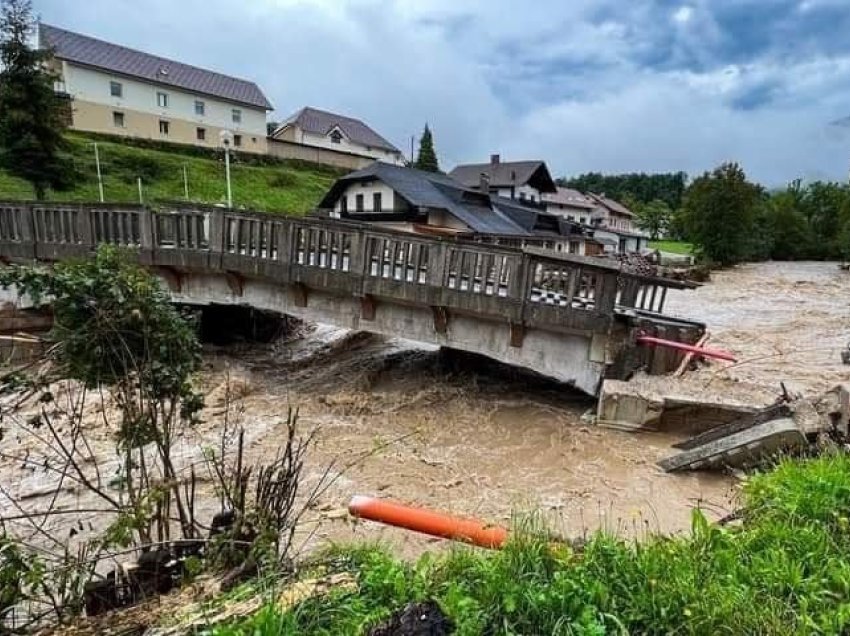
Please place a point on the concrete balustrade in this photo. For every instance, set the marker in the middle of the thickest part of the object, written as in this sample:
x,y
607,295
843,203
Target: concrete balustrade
x,y
524,307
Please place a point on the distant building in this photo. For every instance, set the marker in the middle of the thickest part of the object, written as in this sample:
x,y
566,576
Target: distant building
x,y
321,129
614,221
571,204
435,204
120,91
526,181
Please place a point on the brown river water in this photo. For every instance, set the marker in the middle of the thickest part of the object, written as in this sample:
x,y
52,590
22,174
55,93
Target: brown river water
x,y
471,437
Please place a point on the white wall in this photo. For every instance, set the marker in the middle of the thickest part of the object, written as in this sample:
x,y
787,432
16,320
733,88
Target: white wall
x,y
530,193
579,215
94,86
367,190
345,145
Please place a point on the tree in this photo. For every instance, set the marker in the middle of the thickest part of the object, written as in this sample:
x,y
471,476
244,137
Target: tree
x,y
653,217
788,226
115,328
427,159
643,188
720,210
31,128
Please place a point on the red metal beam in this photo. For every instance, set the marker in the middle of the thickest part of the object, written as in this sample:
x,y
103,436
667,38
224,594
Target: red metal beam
x,y
681,346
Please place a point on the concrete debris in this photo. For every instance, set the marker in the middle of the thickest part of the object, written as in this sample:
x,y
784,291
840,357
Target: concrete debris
x,y
781,428
742,449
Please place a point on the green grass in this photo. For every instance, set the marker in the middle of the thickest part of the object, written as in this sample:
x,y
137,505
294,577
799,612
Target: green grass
x,y
288,187
674,247
784,570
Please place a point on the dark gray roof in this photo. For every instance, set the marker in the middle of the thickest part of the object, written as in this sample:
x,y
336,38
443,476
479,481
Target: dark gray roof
x,y
432,190
321,122
505,174
87,51
611,204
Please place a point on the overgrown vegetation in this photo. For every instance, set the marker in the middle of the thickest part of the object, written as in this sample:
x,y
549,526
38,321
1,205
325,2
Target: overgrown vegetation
x,y
261,183
120,370
783,570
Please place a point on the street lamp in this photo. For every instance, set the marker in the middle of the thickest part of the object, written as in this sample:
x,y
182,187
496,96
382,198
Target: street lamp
x,y
99,175
226,138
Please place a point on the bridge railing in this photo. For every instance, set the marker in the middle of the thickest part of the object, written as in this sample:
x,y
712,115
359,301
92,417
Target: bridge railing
x,y
531,286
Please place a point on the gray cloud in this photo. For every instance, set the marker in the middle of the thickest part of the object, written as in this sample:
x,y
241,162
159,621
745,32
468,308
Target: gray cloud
x,y
586,85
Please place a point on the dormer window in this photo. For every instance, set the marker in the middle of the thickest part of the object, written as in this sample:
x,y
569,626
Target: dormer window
x,y
336,137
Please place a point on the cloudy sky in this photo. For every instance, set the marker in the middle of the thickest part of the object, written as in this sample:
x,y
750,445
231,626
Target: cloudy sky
x,y
603,85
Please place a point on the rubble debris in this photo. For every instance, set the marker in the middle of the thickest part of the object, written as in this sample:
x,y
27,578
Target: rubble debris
x,y
633,406
742,449
416,619
787,426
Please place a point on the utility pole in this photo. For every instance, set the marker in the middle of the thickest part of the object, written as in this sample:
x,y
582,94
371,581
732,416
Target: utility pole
x,y
99,175
185,183
412,141
141,199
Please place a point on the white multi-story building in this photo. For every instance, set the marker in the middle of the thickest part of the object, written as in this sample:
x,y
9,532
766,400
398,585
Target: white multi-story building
x,y
121,91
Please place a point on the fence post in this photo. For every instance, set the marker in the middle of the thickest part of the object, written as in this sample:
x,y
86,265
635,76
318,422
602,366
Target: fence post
x,y
145,228
438,254
84,227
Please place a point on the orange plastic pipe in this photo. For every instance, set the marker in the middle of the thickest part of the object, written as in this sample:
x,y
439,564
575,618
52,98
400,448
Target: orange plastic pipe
x,y
428,522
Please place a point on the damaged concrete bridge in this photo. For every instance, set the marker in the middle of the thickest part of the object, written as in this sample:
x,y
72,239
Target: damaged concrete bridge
x,y
572,318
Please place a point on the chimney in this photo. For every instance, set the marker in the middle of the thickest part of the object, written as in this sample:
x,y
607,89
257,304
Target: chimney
x,y
494,159
484,182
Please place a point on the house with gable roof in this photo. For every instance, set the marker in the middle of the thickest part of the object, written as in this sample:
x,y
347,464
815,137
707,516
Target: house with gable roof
x,y
321,129
526,181
434,204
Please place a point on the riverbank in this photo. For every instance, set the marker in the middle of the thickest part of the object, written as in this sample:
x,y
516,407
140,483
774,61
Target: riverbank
x,y
782,570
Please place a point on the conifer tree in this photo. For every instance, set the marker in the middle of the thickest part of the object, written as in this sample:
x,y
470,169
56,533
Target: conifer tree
x,y
31,140
427,159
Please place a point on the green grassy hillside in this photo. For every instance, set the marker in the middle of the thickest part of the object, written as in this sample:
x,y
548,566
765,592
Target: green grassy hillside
x,y
288,187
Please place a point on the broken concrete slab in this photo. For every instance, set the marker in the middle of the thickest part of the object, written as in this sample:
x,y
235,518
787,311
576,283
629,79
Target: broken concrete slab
x,y
635,406
742,449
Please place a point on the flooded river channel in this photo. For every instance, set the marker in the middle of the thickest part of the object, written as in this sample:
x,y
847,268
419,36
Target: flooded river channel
x,y
472,437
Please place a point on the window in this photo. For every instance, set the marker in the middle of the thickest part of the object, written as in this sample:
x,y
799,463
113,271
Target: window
x,y
201,134
343,203
163,127
200,107
573,247
336,137
118,119
583,219
522,196
115,89
162,100
237,140
358,202
376,202
237,116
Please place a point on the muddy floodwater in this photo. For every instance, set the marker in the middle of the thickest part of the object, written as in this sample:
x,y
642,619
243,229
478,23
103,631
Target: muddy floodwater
x,y
475,438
